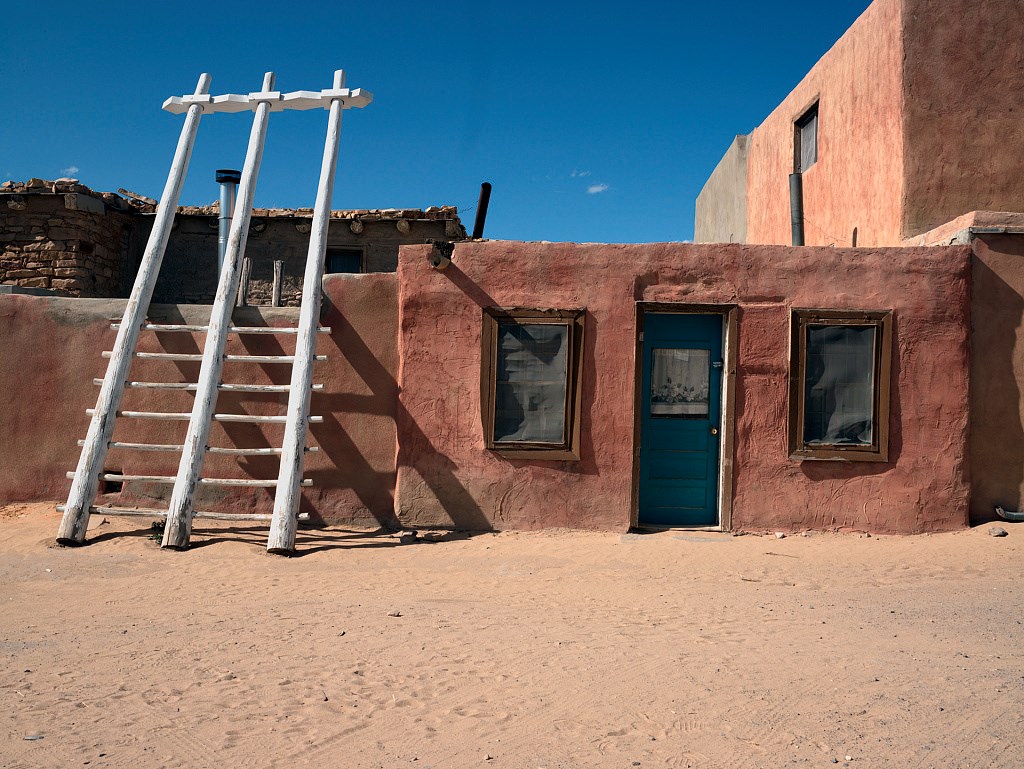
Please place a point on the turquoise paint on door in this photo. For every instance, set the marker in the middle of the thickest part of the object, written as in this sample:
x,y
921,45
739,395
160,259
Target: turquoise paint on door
x,y
681,399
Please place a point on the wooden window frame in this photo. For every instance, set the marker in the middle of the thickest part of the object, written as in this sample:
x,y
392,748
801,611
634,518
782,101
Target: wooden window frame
x,y
881,374
362,258
493,318
798,126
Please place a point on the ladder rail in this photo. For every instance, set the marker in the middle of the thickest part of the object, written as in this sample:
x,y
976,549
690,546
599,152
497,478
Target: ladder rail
x,y
179,510
286,498
75,519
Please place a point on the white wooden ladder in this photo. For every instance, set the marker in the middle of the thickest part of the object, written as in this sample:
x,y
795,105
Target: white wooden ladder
x,y
180,512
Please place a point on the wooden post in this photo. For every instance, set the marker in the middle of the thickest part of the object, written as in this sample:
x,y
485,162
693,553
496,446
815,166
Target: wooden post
x,y
275,298
179,512
242,299
75,521
286,499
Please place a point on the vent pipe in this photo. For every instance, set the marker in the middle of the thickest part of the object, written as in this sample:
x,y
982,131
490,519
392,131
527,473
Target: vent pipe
x,y
796,207
228,180
481,210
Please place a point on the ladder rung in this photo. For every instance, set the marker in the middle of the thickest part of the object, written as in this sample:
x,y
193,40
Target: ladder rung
x,y
268,358
252,452
204,481
252,419
148,414
142,446
190,386
233,329
182,416
211,450
186,356
161,355
152,512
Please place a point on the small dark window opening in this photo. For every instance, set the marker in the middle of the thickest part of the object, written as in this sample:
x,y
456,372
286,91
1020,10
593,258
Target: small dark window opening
x,y
805,140
344,260
111,487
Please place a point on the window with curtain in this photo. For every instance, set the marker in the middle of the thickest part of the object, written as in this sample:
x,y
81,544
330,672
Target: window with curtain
x,y
530,380
839,384
806,140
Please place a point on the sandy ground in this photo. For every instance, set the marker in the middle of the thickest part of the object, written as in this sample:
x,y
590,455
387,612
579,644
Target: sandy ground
x,y
534,650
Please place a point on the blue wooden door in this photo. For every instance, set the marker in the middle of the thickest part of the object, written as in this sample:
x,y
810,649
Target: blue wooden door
x,y
681,398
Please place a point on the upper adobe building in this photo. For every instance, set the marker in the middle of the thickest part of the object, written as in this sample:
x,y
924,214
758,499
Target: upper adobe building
x,y
915,117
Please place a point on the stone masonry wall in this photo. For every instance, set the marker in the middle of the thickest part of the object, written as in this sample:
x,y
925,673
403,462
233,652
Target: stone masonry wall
x,y
64,237
189,271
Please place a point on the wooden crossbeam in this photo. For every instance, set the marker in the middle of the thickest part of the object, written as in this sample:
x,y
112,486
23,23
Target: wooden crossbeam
x,y
349,98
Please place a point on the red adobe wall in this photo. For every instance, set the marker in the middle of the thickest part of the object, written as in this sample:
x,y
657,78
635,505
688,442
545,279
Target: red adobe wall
x,y
50,351
858,179
964,75
447,477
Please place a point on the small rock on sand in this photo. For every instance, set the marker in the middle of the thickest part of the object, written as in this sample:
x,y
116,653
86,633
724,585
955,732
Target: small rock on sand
x,y
997,531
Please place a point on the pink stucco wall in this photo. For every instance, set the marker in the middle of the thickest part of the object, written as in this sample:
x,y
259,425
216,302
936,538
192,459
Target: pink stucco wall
x,y
858,181
50,351
963,79
447,477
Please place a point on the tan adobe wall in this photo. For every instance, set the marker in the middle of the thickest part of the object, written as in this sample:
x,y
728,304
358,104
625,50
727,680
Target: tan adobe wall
x,y
446,476
857,181
721,208
964,143
50,352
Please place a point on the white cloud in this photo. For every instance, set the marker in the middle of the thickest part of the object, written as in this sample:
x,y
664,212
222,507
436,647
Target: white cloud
x,y
69,171
595,189
579,174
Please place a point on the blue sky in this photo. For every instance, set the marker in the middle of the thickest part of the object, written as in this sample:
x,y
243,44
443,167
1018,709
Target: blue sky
x,y
594,121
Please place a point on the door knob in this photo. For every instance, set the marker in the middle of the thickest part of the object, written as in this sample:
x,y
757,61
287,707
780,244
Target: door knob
x,y
714,431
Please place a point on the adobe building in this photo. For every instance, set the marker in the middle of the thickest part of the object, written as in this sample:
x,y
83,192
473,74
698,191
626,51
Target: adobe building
x,y
908,132
533,385
69,239
739,386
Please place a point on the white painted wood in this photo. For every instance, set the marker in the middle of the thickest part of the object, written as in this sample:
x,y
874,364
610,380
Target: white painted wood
x,y
267,358
166,415
152,512
251,452
76,514
238,388
251,419
261,452
233,329
159,355
187,416
179,510
254,482
297,100
286,500
142,446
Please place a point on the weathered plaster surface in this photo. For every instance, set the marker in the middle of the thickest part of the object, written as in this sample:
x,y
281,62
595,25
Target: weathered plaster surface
x,y
858,179
50,351
964,76
997,353
447,477
997,374
721,209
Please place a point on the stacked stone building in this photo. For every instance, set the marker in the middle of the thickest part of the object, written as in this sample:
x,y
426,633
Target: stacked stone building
x,y
64,238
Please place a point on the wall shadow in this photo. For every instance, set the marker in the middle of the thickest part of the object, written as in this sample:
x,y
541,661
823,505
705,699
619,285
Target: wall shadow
x,y
997,433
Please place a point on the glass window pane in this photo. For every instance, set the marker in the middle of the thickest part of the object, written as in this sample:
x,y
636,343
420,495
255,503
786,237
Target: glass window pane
x,y
809,142
680,383
839,387
530,388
